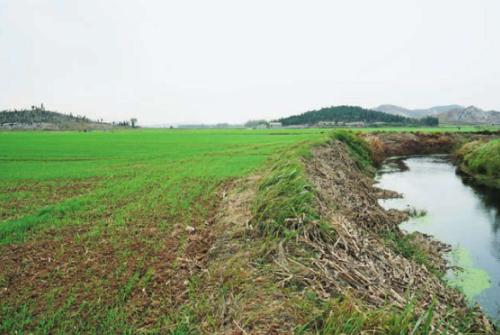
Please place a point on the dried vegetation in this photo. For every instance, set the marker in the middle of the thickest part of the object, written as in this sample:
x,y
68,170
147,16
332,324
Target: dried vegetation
x,y
343,268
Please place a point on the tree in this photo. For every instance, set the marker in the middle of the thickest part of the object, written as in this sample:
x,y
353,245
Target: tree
x,y
133,121
344,114
429,121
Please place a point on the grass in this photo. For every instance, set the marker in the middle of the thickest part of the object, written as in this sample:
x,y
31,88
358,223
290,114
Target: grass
x,y
285,201
350,316
416,213
56,177
112,208
484,158
358,146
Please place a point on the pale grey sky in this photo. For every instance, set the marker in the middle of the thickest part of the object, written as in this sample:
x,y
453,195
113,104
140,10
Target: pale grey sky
x,y
228,61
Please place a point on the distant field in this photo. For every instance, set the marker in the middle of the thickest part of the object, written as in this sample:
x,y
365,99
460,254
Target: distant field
x,y
85,172
110,166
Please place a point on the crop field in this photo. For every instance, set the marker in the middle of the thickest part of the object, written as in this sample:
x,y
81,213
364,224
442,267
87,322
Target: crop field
x,y
104,232
87,220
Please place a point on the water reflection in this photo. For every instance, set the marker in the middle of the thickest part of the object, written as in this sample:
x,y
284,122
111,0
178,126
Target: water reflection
x,y
489,204
460,212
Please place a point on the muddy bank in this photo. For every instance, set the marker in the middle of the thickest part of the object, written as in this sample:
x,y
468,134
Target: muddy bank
x,y
388,144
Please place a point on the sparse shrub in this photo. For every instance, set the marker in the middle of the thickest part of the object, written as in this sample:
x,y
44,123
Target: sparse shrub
x,y
416,213
378,149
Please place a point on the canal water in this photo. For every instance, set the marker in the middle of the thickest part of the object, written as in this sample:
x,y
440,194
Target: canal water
x,y
459,213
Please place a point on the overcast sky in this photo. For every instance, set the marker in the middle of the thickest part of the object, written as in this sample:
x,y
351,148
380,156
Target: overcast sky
x,y
229,61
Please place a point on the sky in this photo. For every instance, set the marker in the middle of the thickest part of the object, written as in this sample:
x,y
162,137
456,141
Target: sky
x,y
217,61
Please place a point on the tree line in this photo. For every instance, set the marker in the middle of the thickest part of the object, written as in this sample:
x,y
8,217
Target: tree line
x,y
40,115
352,114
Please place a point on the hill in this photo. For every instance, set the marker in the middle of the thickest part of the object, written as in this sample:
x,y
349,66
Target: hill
x,y
37,118
469,115
415,113
345,114
38,115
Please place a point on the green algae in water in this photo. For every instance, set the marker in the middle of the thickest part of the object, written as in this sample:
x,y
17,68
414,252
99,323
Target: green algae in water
x,y
418,224
471,281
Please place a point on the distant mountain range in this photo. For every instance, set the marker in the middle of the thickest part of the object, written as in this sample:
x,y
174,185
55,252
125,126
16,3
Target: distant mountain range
x,y
469,115
451,114
415,113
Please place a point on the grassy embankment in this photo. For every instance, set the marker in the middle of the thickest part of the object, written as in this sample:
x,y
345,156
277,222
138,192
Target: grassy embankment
x,y
285,193
482,160
95,227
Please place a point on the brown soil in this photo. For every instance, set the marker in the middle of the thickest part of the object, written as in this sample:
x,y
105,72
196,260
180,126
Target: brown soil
x,y
37,196
95,270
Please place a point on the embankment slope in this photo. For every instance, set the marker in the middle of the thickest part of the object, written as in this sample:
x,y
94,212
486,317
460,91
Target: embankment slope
x,y
348,270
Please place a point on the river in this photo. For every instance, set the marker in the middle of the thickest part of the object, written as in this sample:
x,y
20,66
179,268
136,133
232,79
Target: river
x,y
459,213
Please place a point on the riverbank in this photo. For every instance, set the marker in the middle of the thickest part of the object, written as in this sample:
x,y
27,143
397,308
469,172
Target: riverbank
x,y
458,212
481,159
306,248
477,155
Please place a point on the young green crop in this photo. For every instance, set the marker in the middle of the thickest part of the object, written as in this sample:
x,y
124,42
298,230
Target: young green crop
x,y
94,227
104,210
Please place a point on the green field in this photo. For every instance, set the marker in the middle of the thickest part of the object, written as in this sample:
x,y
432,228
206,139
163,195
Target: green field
x,y
109,203
121,167
95,228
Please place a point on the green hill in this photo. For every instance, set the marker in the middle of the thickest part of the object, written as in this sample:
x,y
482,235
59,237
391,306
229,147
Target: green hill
x,y
39,115
347,114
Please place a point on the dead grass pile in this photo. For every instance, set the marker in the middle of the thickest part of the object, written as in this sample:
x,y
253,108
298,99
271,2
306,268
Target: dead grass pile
x,y
364,260
386,144
405,144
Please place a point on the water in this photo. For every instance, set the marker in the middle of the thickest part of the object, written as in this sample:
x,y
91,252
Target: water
x,y
460,213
